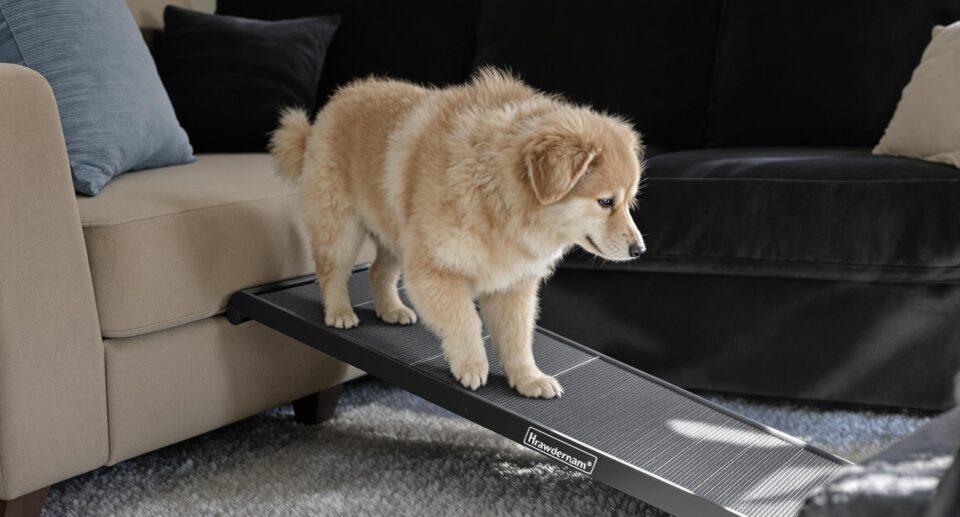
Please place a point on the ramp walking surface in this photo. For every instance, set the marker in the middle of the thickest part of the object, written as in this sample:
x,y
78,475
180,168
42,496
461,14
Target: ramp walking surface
x,y
652,440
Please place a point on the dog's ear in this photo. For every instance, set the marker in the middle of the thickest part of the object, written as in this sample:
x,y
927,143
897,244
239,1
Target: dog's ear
x,y
555,164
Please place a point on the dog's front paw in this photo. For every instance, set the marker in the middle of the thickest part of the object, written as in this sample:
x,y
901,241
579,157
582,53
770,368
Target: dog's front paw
x,y
401,315
472,374
538,384
343,319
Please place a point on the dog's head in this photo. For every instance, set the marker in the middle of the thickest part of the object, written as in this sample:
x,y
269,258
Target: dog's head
x,y
585,168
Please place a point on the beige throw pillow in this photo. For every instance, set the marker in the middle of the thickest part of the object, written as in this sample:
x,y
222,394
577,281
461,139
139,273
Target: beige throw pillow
x,y
926,124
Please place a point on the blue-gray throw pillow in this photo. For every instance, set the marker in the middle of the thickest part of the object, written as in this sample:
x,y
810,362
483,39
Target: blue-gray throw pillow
x,y
116,116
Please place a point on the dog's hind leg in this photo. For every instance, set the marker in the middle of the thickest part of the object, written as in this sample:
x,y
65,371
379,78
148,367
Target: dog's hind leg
x,y
511,315
384,274
445,302
334,258
336,234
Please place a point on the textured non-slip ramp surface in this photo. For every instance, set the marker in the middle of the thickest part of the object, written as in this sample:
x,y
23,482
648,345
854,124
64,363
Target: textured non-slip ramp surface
x,y
632,431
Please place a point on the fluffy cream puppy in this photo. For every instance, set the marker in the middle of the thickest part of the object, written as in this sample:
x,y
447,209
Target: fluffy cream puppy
x,y
474,192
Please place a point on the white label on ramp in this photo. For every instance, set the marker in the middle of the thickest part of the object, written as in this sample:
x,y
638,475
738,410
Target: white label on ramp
x,y
559,450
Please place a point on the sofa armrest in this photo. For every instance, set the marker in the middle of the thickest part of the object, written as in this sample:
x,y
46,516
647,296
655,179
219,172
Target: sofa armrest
x,y
53,422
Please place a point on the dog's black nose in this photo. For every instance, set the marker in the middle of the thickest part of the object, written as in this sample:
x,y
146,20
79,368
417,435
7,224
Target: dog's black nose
x,y
636,249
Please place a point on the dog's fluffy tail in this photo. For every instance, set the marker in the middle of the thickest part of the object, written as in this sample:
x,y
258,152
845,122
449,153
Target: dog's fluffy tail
x,y
288,143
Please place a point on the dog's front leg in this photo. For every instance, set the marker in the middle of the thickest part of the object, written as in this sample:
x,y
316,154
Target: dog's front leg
x,y
511,315
445,304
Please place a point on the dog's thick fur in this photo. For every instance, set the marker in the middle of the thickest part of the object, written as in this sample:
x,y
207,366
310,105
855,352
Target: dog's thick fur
x,y
473,192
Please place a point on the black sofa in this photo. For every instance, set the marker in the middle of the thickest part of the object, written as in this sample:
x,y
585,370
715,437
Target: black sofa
x,y
783,258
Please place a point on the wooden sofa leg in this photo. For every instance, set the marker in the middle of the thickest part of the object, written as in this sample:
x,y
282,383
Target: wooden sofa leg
x,y
24,506
316,407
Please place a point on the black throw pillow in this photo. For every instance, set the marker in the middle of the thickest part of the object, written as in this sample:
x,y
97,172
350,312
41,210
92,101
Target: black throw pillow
x,y
228,78
424,41
648,60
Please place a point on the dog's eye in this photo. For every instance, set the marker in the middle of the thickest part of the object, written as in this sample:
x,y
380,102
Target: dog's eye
x,y
606,202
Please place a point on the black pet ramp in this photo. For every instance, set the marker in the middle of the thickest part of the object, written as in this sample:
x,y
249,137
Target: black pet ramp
x,y
617,424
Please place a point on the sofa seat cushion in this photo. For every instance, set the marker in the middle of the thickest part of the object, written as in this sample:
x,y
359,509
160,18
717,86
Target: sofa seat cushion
x,y
821,213
169,246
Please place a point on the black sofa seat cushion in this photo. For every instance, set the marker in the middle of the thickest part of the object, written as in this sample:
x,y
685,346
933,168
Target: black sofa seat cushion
x,y
816,72
818,213
886,344
425,41
648,60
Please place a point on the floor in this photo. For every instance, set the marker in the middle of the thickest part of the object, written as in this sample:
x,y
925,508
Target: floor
x,y
389,452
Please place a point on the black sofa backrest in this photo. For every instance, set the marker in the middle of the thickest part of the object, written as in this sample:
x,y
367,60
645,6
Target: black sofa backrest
x,y
816,72
648,60
426,41
687,73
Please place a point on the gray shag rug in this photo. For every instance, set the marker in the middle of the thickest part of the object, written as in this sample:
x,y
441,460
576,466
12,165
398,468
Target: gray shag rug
x,y
908,479
390,453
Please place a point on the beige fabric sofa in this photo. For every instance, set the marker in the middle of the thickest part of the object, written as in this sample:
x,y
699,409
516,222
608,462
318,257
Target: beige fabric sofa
x,y
112,341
